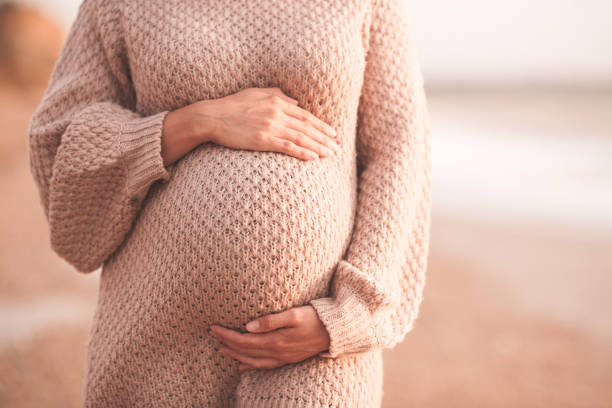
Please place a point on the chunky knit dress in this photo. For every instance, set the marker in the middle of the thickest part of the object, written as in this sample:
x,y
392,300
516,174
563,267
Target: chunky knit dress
x,y
222,235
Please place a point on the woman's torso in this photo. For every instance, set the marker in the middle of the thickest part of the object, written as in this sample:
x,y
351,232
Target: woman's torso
x,y
248,231
234,234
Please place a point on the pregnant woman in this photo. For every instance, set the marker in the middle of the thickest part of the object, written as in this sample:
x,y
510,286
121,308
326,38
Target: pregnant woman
x,y
238,161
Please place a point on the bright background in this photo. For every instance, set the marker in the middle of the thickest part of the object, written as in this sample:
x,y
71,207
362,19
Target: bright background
x,y
517,302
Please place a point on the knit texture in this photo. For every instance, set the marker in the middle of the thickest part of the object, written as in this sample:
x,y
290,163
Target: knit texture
x,y
227,235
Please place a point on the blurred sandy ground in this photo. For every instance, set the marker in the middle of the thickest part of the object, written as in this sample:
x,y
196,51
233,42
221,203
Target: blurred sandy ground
x,y
517,303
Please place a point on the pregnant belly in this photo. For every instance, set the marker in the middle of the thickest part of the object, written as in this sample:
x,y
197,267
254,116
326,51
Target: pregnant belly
x,y
236,234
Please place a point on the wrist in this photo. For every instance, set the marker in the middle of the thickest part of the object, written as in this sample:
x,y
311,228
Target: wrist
x,y
177,136
201,119
186,128
192,124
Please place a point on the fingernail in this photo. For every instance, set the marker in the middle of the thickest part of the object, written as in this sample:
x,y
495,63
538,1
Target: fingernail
x,y
329,151
313,155
254,325
333,131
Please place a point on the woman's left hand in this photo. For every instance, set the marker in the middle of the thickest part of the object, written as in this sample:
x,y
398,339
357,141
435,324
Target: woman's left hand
x,y
275,339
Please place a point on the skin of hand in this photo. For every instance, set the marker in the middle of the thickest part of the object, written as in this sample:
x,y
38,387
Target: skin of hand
x,y
262,119
275,339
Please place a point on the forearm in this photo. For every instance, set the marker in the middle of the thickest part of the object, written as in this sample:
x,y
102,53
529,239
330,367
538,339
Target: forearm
x,y
185,128
377,287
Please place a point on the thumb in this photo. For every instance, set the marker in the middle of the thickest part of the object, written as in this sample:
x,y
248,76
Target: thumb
x,y
272,321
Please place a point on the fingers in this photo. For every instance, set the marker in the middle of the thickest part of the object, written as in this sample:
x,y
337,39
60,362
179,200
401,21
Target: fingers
x,y
267,349
265,363
287,318
243,367
306,135
280,338
260,344
287,146
277,123
306,116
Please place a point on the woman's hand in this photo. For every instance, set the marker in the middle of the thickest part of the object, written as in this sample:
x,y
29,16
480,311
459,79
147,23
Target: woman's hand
x,y
255,119
275,339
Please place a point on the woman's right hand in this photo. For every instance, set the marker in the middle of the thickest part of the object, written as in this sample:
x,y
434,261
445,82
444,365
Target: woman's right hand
x,y
255,119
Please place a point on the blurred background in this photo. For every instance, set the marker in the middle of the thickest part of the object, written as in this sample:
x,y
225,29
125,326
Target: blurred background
x,y
516,309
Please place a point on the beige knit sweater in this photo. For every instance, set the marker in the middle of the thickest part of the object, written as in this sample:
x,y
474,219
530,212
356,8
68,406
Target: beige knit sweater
x,y
227,235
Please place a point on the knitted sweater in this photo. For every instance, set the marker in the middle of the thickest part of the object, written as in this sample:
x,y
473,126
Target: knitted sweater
x,y
227,235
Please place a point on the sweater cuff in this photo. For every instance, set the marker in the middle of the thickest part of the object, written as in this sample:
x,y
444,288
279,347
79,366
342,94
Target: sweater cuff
x,y
140,142
348,322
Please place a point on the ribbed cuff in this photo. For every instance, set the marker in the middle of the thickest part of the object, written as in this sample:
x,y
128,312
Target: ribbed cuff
x,y
300,402
140,141
348,323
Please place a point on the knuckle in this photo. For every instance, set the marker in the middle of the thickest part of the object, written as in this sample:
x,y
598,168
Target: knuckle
x,y
274,114
259,136
280,344
300,137
288,146
267,121
275,100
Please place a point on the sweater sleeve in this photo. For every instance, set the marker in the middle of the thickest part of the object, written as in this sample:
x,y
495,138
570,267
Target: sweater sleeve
x,y
376,289
93,158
